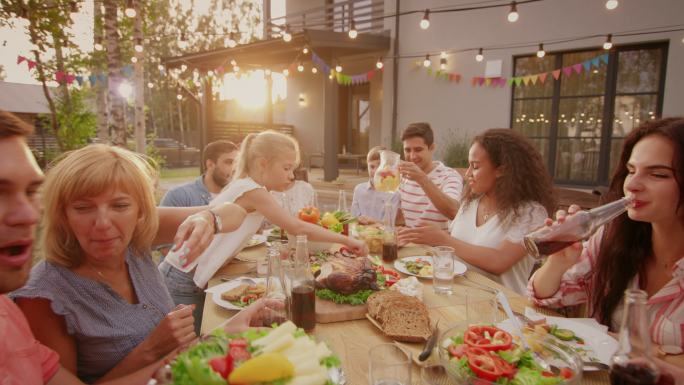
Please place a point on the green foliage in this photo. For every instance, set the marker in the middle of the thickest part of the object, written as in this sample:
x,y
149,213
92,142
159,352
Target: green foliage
x,y
153,152
77,123
456,152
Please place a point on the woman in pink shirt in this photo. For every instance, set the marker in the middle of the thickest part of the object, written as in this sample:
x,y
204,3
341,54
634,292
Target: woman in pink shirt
x,y
643,249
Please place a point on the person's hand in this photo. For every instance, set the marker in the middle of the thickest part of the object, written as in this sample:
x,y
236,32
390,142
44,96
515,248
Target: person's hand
x,y
364,220
176,330
411,171
669,373
357,247
253,315
571,254
424,233
194,234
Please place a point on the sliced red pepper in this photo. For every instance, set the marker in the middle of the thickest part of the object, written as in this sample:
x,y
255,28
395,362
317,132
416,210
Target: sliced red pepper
x,y
475,337
457,350
238,342
482,364
566,373
507,369
223,365
239,353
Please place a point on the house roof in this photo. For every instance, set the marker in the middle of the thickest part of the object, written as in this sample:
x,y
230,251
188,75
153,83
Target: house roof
x,y
327,44
23,98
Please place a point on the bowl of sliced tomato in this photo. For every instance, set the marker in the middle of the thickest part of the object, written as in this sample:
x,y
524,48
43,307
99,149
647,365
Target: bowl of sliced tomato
x,y
483,354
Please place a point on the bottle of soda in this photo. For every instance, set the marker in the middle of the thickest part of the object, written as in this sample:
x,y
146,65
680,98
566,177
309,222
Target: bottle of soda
x,y
303,298
389,239
551,239
633,364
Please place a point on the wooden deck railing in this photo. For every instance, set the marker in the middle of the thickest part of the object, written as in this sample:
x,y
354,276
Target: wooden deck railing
x,y
236,131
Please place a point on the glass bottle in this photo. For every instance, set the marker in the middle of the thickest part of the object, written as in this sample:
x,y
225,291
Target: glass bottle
x,y
633,362
389,240
275,286
342,207
386,178
550,239
303,299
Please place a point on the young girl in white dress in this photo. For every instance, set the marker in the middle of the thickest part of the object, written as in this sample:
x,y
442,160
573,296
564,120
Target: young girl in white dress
x,y
266,163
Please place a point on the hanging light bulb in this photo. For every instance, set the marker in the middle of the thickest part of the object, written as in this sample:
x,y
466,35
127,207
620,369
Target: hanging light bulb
x,y
130,11
379,64
183,67
300,67
233,62
138,47
286,34
479,56
442,64
160,67
609,42
210,73
286,72
98,47
540,52
314,70
331,75
179,97
267,72
134,59
611,4
338,67
427,62
305,50
353,33
150,85
425,21
513,13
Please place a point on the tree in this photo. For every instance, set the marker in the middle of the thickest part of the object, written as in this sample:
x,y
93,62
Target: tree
x,y
115,101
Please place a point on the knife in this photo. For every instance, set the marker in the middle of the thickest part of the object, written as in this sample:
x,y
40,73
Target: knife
x,y
429,344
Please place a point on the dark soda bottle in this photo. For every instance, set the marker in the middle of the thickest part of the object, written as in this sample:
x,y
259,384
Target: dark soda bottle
x,y
303,298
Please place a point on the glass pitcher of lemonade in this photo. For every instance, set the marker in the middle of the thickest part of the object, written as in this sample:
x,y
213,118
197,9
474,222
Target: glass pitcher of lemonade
x,y
386,178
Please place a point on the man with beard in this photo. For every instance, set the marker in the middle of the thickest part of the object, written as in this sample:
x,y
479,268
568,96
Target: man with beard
x,y
219,158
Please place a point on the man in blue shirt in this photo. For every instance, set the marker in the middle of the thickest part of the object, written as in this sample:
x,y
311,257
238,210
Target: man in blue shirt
x,y
218,158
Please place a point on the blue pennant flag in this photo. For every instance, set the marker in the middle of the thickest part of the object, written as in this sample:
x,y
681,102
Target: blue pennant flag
x,y
102,78
595,62
79,79
93,80
587,65
604,57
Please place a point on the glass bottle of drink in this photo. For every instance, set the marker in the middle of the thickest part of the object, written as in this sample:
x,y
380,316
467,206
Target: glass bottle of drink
x,y
275,288
550,239
389,240
303,299
633,364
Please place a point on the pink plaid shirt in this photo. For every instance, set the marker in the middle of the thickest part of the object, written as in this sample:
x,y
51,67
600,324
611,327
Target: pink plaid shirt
x,y
665,308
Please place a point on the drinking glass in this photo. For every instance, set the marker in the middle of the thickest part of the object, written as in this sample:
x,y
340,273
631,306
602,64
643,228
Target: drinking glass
x,y
389,365
342,201
482,306
443,269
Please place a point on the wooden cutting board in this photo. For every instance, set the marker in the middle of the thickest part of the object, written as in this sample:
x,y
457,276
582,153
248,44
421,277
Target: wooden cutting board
x,y
328,311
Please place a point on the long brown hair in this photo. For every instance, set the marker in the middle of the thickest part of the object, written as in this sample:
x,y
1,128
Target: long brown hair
x,y
626,246
524,177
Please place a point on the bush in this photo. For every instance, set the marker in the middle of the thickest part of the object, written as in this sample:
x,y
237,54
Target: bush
x,y
456,152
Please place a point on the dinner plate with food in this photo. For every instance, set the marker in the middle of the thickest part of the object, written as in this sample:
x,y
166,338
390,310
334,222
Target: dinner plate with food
x,y
284,355
421,266
256,240
238,293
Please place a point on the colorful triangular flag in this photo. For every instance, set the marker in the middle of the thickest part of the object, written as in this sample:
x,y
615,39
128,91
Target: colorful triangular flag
x,y
604,58
20,59
542,77
518,80
587,65
556,74
577,67
595,62
567,70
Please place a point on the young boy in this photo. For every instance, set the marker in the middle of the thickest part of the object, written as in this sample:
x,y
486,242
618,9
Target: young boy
x,y
368,204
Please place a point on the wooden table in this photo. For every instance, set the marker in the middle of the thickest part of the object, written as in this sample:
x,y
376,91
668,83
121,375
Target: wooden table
x,y
350,340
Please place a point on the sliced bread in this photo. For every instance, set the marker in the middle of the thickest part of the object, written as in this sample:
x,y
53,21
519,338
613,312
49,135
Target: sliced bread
x,y
403,318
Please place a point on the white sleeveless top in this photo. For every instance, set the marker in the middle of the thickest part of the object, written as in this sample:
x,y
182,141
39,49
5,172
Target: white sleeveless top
x,y
226,246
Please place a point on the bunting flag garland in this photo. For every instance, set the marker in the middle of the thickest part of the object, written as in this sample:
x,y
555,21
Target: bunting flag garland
x,y
540,78
20,59
62,77
341,78
451,77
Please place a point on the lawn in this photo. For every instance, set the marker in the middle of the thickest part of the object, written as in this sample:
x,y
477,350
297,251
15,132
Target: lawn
x,y
179,173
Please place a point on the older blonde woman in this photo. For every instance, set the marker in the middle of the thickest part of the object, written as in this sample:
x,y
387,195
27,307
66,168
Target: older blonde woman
x,y
98,298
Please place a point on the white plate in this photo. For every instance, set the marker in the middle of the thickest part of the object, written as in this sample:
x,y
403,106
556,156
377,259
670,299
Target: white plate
x,y
599,345
459,268
216,291
256,240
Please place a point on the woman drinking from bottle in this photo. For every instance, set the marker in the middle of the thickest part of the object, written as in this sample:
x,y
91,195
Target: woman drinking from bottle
x,y
641,249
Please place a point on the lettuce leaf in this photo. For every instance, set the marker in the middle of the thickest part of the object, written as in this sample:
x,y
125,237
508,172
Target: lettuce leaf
x,y
332,361
529,376
358,298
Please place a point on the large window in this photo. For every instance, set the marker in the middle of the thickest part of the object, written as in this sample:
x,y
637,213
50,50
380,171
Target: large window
x,y
578,122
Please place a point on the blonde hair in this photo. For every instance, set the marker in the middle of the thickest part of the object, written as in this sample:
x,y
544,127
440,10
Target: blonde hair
x,y
374,153
268,145
88,172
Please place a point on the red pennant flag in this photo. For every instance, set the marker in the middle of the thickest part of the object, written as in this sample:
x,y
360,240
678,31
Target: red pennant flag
x,y
577,67
567,71
480,81
502,82
70,79
556,74
370,74
542,77
59,76
20,59
474,82
31,64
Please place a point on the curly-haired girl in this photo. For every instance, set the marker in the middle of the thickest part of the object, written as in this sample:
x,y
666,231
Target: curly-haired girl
x,y
508,194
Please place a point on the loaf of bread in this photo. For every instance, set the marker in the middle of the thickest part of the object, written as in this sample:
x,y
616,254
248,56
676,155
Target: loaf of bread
x,y
402,318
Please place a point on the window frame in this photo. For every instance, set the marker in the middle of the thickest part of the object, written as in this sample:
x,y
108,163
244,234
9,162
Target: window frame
x,y
608,104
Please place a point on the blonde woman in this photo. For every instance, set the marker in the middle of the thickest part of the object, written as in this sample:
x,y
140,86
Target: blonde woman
x,y
98,298
266,163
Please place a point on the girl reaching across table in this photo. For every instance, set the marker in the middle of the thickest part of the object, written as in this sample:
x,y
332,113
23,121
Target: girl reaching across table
x,y
508,193
643,248
266,163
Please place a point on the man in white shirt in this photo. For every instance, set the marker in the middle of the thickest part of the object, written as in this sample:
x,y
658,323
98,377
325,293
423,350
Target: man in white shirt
x,y
430,191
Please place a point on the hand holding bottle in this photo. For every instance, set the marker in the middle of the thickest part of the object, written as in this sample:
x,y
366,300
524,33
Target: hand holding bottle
x,y
571,254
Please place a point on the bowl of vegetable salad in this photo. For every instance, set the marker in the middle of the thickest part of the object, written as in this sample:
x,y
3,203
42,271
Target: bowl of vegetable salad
x,y
483,354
